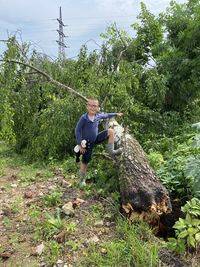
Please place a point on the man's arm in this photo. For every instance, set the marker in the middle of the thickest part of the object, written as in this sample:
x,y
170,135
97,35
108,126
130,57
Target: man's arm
x,y
110,115
119,114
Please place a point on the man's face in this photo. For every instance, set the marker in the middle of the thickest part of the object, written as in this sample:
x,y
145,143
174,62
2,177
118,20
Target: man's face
x,y
93,107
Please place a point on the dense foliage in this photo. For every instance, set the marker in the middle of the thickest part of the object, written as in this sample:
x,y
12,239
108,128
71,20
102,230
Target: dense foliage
x,y
153,78
134,75
179,169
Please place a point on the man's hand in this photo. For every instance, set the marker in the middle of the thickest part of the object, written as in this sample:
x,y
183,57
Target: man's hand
x,y
82,149
119,114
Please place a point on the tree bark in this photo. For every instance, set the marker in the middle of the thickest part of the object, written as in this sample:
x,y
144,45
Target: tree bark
x,y
142,194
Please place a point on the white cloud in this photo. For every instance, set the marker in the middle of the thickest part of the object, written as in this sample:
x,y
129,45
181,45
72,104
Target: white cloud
x,y
116,5
86,19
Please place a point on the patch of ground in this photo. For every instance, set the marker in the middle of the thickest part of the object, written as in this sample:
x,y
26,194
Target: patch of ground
x,y
22,220
33,233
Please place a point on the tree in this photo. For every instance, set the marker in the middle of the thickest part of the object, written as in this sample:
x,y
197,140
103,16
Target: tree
x,y
181,51
133,74
142,194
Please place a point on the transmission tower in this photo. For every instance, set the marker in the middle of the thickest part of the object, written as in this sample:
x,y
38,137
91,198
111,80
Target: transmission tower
x,y
61,43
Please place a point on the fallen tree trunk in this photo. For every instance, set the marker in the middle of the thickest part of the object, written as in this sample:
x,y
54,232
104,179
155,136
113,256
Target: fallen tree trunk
x,y
142,194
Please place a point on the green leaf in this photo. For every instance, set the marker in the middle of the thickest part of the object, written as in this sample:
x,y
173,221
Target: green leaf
x,y
188,219
192,230
179,224
181,246
183,234
195,222
191,241
172,240
197,237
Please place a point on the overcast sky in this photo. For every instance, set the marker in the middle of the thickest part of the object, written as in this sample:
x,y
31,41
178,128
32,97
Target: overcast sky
x,y
35,21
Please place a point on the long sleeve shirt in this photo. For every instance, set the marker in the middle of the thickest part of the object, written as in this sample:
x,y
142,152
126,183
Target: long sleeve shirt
x,y
87,129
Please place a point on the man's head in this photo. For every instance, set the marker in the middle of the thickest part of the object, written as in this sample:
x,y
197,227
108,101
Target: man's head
x,y
92,106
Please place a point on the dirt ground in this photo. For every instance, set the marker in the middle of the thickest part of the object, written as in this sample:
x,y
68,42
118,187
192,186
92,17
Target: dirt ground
x,y
26,240
17,230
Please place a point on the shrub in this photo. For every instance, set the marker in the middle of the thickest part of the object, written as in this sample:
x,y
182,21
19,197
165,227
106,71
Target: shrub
x,y
188,229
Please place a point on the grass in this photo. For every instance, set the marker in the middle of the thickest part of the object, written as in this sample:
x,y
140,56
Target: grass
x,y
134,246
17,204
40,220
46,221
52,252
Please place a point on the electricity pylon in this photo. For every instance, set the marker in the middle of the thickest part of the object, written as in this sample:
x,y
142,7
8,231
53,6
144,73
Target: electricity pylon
x,y
61,43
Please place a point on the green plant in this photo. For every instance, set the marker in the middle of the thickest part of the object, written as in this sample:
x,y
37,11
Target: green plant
x,y
52,252
17,204
180,171
155,159
97,211
34,213
133,247
55,221
70,227
72,244
69,165
7,222
192,207
53,199
104,182
52,224
188,229
87,190
14,238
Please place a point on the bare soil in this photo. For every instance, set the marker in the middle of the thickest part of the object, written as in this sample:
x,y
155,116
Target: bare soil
x,y
17,229
21,232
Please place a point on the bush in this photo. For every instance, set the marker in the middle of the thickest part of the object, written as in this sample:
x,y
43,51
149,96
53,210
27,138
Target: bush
x,y
187,230
180,171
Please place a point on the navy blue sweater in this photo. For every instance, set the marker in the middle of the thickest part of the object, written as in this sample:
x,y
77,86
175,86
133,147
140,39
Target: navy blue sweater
x,y
87,129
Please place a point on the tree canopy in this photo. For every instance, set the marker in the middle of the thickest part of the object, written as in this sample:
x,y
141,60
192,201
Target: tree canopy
x,y
153,77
